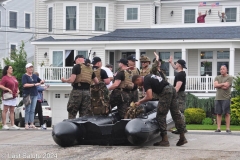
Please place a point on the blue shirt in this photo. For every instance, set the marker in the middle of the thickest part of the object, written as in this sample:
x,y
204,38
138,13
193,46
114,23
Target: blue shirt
x,y
30,80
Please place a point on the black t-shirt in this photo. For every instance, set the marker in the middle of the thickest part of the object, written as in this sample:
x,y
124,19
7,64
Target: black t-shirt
x,y
77,70
180,76
154,82
103,73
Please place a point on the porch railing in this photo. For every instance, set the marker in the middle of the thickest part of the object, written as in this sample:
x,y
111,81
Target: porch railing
x,y
193,83
54,74
197,83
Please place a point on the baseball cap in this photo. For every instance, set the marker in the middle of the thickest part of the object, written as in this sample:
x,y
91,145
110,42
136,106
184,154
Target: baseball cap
x,y
29,65
132,58
78,56
123,61
182,62
96,60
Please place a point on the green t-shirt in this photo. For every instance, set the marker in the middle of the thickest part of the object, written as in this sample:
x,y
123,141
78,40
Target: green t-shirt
x,y
223,94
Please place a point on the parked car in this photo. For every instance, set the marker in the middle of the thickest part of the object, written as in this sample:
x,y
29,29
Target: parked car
x,y
20,114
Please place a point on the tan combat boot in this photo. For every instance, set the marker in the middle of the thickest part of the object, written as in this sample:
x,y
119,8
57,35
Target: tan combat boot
x,y
164,142
182,140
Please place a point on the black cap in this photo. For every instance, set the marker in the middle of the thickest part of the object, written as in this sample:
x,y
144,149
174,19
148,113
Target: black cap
x,y
96,60
132,58
158,60
123,61
78,56
182,62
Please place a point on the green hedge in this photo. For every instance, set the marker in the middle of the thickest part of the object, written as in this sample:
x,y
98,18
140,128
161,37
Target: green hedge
x,y
194,115
235,111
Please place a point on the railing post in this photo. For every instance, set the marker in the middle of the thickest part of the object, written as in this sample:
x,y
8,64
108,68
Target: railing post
x,y
206,83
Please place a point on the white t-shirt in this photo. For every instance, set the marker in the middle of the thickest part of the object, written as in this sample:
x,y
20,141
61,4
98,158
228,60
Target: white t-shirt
x,y
109,73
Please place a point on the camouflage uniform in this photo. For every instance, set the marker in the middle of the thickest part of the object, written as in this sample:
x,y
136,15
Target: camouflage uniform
x,y
135,92
181,99
122,100
168,101
123,96
99,96
79,100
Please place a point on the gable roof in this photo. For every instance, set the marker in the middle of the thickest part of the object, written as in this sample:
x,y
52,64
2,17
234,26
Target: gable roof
x,y
143,34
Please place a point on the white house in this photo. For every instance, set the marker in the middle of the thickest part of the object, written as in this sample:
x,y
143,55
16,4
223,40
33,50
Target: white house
x,y
116,29
17,24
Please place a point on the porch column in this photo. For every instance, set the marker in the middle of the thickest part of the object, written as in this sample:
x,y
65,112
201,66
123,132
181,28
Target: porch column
x,y
231,62
184,55
137,51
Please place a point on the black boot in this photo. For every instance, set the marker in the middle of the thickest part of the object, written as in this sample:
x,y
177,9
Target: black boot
x,y
164,142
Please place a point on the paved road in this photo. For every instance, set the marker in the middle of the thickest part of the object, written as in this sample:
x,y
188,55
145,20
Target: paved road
x,y
201,145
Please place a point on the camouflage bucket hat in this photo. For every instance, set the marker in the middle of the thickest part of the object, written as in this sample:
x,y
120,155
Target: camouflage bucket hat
x,y
145,59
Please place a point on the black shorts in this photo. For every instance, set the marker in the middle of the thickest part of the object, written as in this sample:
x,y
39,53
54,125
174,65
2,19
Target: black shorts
x,y
222,106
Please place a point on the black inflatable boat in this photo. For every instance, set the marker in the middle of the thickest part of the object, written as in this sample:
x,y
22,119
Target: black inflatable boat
x,y
109,130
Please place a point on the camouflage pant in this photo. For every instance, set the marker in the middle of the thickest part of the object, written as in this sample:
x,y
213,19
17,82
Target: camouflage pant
x,y
168,101
181,98
79,100
122,100
135,95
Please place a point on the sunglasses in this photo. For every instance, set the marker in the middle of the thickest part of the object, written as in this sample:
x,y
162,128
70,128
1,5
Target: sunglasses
x,y
144,62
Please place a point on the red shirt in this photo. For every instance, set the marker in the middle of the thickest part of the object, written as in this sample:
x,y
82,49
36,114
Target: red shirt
x,y
201,19
11,83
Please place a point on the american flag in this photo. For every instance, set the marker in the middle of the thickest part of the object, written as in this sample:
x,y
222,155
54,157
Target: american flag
x,y
202,4
215,4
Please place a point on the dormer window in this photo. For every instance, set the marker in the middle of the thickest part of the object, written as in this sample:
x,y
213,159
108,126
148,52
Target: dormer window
x,y
132,13
71,14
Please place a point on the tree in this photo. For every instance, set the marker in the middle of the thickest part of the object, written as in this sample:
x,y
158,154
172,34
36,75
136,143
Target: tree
x,y
18,60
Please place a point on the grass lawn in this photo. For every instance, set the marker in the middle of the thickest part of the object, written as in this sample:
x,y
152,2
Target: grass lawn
x,y
210,127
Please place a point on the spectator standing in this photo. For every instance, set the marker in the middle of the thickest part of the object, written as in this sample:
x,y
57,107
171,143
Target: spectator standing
x,y
222,16
201,18
30,82
9,84
38,109
223,84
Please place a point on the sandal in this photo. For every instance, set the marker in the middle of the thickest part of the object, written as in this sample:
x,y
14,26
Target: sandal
x,y
27,127
33,127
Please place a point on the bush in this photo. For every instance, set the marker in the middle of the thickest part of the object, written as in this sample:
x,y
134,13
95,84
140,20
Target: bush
x,y
194,115
235,111
206,104
207,121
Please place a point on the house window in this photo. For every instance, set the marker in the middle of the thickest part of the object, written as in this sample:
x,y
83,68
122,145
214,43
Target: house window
x,y
57,59
132,13
27,20
100,18
66,95
207,55
50,19
177,55
13,47
231,14
223,55
71,18
84,53
165,64
189,15
57,95
206,63
12,19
